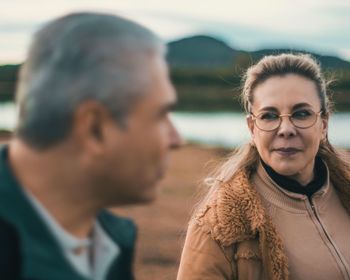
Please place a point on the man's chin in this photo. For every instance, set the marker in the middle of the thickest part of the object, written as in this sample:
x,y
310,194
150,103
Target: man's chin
x,y
147,197
151,195
148,200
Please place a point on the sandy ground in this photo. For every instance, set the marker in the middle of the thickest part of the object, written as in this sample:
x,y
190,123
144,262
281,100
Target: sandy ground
x,y
162,224
4,136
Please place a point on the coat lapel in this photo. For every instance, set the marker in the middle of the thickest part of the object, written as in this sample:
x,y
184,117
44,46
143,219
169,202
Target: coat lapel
x,y
236,215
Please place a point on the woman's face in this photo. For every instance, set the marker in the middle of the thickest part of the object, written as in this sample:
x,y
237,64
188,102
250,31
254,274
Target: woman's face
x,y
289,150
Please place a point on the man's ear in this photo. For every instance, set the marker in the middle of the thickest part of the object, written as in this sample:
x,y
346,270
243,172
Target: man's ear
x,y
87,128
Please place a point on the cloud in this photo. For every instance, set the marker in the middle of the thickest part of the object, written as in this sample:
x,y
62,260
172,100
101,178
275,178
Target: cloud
x,y
253,37
322,26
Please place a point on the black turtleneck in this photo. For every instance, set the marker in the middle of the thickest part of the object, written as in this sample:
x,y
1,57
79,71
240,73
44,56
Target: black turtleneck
x,y
320,177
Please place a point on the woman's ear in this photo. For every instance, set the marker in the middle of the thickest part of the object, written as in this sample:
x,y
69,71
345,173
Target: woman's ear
x,y
250,124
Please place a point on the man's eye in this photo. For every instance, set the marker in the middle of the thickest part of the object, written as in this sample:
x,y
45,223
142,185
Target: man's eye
x,y
302,114
268,116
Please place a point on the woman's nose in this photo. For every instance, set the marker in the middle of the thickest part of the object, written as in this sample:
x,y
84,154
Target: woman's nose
x,y
286,128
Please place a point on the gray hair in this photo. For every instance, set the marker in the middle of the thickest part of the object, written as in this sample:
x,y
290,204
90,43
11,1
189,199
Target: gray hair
x,y
80,57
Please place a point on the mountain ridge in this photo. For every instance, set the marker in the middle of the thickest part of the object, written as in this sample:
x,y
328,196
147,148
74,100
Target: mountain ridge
x,y
204,51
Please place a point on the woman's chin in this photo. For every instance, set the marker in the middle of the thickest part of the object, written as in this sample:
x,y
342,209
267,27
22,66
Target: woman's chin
x,y
286,170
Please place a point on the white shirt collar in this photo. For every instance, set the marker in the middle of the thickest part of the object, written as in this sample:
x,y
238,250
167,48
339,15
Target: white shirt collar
x,y
91,257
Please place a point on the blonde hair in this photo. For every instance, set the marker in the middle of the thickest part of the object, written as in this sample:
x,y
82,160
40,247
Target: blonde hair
x,y
246,158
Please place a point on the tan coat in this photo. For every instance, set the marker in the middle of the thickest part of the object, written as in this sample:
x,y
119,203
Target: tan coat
x,y
251,233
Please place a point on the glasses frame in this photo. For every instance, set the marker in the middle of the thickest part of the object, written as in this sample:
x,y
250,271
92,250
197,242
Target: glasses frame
x,y
254,118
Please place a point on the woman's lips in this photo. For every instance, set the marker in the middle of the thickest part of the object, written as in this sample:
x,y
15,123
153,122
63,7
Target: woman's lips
x,y
287,151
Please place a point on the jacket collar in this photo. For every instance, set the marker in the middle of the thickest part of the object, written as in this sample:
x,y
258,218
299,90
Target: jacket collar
x,y
37,243
235,213
291,185
293,201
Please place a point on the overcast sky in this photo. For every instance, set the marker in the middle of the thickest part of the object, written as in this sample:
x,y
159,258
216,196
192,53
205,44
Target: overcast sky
x,y
322,26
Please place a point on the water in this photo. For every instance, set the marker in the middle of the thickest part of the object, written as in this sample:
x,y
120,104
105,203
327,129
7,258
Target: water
x,y
8,116
230,129
217,129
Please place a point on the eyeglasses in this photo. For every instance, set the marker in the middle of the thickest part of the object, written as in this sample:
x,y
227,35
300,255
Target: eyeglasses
x,y
269,121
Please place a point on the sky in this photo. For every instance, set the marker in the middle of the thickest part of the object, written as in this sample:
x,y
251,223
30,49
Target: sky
x,y
321,26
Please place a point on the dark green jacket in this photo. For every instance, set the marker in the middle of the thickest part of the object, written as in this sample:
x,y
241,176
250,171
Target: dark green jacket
x,y
33,252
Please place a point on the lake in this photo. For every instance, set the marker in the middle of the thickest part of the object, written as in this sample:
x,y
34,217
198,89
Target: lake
x,y
217,129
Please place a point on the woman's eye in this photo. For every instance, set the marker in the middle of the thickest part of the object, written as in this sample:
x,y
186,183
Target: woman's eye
x,y
268,116
302,114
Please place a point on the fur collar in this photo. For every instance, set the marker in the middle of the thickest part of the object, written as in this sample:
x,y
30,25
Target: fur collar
x,y
235,214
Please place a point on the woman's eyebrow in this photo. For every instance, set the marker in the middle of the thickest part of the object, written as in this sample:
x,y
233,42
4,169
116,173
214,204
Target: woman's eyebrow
x,y
301,105
296,106
269,108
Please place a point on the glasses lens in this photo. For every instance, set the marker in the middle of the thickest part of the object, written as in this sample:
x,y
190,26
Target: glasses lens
x,y
267,121
304,118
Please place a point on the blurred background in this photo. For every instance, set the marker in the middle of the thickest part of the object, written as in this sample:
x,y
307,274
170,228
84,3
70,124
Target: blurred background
x,y
210,45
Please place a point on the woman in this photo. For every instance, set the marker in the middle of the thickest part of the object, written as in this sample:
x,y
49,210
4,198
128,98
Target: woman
x,y
279,207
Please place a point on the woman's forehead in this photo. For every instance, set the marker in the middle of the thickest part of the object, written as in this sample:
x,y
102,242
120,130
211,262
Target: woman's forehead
x,y
287,91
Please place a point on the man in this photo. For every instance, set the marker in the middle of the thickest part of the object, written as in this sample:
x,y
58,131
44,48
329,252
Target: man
x,y
94,132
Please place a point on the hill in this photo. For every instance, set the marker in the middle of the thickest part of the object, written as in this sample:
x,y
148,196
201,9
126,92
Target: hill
x,y
200,52
207,73
207,52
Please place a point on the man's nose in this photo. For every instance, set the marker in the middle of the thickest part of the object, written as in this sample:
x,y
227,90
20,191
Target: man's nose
x,y
176,140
